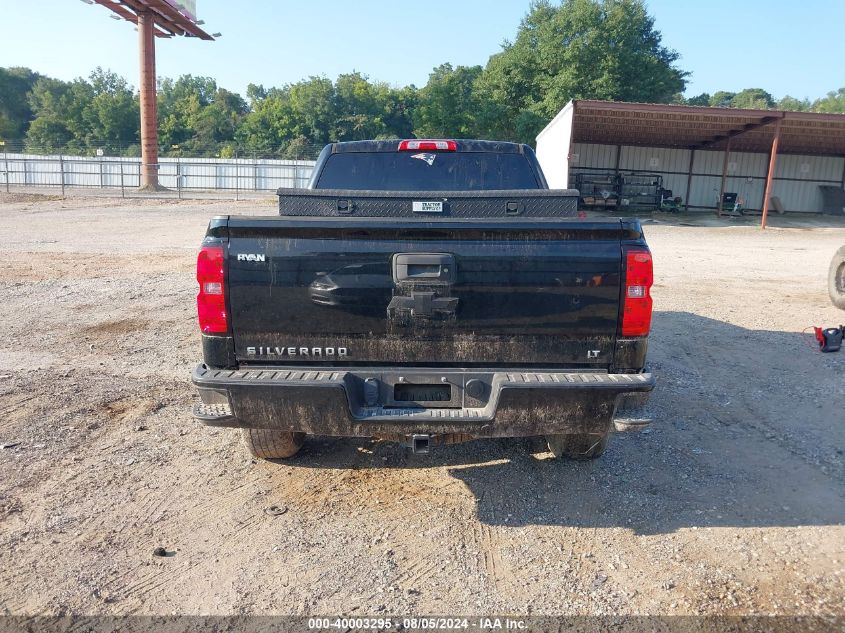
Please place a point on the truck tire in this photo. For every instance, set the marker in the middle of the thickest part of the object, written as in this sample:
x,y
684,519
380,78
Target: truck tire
x,y
836,279
272,444
578,445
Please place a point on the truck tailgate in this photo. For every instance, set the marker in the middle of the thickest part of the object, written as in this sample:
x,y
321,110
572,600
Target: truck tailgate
x,y
445,292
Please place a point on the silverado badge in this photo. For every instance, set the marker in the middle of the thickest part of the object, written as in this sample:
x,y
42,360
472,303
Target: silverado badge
x,y
298,352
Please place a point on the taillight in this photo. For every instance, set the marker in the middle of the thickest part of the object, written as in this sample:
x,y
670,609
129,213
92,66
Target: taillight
x,y
636,301
427,146
211,300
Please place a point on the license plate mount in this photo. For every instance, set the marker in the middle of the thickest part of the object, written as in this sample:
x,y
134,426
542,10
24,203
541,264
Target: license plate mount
x,y
422,393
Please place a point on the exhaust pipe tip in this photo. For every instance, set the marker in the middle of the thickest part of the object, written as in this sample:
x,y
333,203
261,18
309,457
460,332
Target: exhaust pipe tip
x,y
420,443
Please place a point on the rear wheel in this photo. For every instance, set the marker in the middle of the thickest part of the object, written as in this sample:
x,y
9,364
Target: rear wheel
x,y
578,445
836,279
273,444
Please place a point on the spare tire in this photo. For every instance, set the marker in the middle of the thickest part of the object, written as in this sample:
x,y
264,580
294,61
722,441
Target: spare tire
x,y
836,279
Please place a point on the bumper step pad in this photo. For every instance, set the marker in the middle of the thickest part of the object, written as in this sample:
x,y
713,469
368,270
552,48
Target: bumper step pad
x,y
214,414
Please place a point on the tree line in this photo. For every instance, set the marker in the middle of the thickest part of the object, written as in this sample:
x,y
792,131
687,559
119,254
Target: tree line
x,y
578,49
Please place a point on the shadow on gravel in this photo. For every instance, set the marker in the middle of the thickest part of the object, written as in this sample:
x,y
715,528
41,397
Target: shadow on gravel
x,y
745,434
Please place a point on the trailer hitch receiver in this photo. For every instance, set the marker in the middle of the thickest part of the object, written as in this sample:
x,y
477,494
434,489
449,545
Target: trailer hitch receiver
x,y
420,443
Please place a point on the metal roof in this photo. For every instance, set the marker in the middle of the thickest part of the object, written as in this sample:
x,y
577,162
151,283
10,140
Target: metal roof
x,y
697,127
168,20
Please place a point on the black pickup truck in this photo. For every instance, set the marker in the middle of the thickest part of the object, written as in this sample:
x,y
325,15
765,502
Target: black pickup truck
x,y
426,292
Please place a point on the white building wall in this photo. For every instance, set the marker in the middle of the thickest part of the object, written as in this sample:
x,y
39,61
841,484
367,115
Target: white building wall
x,y
553,148
585,157
796,182
797,179
672,164
810,168
746,176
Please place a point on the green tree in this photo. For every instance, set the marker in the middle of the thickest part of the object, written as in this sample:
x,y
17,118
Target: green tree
x,y
181,104
753,98
722,99
109,110
49,129
791,103
314,110
170,91
255,93
217,122
582,49
15,110
267,126
448,104
82,115
360,108
293,120
46,135
699,100
399,112
833,102
298,148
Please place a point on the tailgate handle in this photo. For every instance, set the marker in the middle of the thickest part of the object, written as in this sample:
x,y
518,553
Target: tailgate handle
x,y
424,267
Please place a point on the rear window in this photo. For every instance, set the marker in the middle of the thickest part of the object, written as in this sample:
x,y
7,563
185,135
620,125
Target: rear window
x,y
427,171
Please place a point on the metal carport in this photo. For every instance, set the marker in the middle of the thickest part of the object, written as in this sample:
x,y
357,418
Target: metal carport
x,y
701,150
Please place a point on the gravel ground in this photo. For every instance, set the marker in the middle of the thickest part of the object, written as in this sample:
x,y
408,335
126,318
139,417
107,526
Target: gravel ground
x,y
732,503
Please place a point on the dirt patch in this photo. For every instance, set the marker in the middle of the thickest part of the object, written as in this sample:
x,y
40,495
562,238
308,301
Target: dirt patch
x,y
112,328
9,505
129,409
23,266
33,266
16,198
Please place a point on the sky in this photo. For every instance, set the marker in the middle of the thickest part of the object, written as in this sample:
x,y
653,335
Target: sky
x,y
782,46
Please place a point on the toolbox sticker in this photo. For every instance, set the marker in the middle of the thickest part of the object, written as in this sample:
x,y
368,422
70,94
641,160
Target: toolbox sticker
x,y
428,158
419,206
